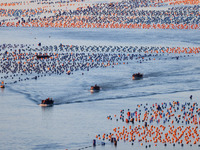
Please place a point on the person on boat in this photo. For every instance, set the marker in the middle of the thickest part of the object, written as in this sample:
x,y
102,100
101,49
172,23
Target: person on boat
x,y
159,108
95,87
128,114
48,100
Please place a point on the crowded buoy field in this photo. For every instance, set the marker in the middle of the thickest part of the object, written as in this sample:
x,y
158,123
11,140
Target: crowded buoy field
x,y
99,74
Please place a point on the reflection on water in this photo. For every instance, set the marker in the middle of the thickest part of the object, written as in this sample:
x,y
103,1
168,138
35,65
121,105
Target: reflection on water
x,y
47,117
2,90
47,108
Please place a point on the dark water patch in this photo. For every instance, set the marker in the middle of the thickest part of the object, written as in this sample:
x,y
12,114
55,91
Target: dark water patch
x,y
111,90
49,146
194,41
83,145
154,74
27,95
143,94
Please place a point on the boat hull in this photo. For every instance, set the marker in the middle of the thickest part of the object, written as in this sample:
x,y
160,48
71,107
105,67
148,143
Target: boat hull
x,y
137,78
46,105
42,56
2,86
92,91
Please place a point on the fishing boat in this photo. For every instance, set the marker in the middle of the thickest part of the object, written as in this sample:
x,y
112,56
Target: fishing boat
x,y
95,88
137,76
47,102
2,85
42,56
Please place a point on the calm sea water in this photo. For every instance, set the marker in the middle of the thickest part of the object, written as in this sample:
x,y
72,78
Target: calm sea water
x,y
78,115
76,36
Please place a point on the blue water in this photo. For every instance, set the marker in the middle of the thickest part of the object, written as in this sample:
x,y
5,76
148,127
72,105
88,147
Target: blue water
x,y
76,36
78,115
160,77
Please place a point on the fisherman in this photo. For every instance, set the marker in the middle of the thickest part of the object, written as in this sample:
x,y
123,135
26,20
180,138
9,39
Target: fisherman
x,y
159,108
190,97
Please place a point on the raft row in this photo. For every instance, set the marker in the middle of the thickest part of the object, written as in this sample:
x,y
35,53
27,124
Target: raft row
x,y
24,62
159,124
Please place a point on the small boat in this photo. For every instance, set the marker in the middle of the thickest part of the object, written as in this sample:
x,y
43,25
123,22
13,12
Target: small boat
x,y
47,102
95,88
2,85
42,56
137,76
